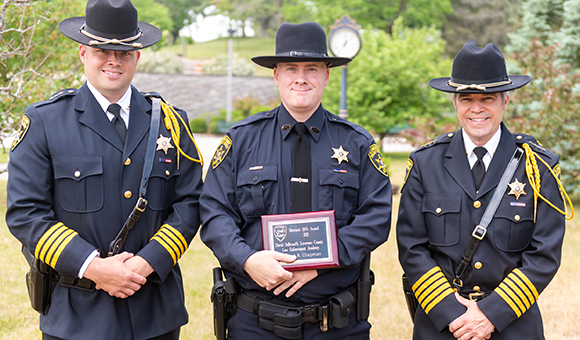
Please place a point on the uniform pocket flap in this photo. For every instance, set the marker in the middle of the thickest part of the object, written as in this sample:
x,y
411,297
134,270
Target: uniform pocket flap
x,y
258,174
339,179
77,167
441,203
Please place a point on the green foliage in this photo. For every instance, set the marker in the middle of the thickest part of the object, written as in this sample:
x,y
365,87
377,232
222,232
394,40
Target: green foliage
x,y
198,125
155,14
159,62
36,60
548,107
381,14
183,12
219,65
387,80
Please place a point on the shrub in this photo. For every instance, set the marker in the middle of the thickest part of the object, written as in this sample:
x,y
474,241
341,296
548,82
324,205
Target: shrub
x,y
219,65
198,125
159,62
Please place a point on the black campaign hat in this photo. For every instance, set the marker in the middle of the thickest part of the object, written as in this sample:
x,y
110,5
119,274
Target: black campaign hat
x,y
298,43
479,70
110,25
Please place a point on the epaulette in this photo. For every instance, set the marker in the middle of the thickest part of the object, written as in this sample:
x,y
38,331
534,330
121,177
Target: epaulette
x,y
536,146
59,95
150,94
256,117
332,118
444,138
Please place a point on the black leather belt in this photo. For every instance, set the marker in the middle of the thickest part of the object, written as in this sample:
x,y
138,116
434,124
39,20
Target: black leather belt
x,y
83,284
474,295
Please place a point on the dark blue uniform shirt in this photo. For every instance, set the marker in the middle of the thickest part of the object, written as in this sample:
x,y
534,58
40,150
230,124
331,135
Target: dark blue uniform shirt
x,y
250,177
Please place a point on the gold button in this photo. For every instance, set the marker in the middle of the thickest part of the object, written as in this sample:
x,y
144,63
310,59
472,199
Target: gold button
x,y
517,217
477,288
477,265
128,194
167,172
477,204
519,137
127,161
438,210
450,135
77,174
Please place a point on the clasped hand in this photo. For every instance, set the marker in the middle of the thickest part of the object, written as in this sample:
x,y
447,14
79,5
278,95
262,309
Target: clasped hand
x,y
120,275
473,325
265,268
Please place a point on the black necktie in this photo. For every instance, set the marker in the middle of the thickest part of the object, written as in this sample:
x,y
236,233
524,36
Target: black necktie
x,y
300,181
478,169
117,121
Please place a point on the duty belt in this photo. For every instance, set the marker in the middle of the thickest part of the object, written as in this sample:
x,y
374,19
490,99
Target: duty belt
x,y
286,319
83,284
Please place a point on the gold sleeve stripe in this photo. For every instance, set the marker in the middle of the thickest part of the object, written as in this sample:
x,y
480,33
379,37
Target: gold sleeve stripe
x,y
509,281
53,242
425,277
518,292
179,239
167,247
527,281
66,240
425,292
509,301
172,240
431,288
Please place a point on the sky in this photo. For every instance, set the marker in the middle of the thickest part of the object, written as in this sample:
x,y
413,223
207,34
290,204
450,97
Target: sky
x,y
210,27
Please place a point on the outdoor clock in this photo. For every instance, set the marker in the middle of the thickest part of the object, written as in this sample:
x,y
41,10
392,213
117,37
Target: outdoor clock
x,y
344,39
345,42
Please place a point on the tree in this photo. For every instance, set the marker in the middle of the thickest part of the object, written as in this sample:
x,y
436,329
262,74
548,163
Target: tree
x,y
387,81
155,14
182,12
548,107
482,22
381,14
35,59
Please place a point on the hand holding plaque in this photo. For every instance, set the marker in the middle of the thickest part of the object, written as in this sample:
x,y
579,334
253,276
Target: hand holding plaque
x,y
310,236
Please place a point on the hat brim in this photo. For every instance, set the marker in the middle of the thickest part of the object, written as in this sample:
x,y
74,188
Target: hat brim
x,y
271,61
442,84
71,28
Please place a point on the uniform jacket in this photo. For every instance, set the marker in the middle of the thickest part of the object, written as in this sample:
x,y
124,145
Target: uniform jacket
x,y
253,179
514,262
72,185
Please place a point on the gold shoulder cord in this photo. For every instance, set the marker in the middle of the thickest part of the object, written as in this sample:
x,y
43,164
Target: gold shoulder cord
x,y
172,125
533,173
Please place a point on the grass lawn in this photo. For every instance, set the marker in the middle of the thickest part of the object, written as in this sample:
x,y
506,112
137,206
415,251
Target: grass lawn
x,y
244,47
389,316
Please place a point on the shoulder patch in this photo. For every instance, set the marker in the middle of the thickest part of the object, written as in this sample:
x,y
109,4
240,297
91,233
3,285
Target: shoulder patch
x,y
407,171
221,151
377,159
24,124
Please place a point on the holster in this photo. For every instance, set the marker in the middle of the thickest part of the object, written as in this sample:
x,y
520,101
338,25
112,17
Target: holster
x,y
40,281
410,298
223,296
363,290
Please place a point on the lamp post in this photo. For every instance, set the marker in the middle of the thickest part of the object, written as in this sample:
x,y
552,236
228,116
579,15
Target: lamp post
x,y
344,40
231,32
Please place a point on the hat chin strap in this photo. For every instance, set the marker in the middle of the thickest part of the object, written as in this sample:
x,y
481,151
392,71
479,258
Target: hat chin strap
x,y
102,41
481,87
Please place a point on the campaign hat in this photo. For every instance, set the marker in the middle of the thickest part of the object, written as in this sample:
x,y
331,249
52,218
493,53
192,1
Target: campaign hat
x,y
479,70
110,25
300,43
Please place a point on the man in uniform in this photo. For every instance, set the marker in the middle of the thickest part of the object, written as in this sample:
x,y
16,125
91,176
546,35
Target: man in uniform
x,y
75,173
252,175
448,186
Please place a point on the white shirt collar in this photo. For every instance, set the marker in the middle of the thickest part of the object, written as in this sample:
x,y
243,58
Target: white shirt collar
x,y
490,146
124,102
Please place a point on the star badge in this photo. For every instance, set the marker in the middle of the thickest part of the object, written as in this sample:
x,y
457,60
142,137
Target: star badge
x,y
517,188
164,143
340,154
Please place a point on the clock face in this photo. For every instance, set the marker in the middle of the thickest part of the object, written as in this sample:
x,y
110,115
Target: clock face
x,y
344,43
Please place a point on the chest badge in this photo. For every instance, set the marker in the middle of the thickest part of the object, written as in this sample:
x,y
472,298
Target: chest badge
x,y
340,154
517,188
164,143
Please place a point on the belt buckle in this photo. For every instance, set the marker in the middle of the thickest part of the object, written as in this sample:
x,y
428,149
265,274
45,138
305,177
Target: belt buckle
x,y
476,296
309,313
